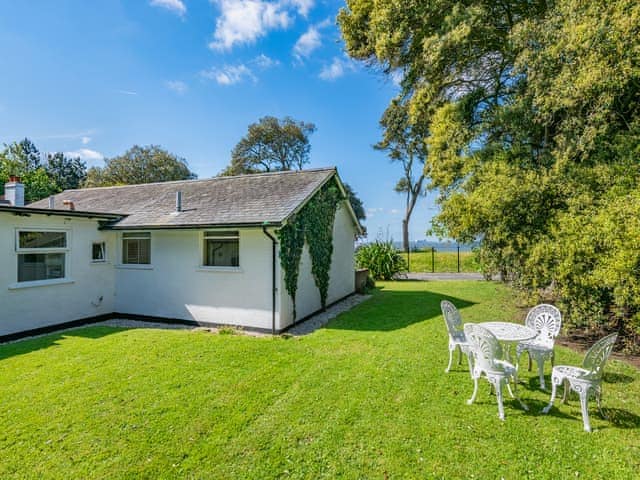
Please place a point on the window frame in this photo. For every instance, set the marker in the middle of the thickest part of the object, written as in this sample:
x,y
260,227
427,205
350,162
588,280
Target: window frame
x,y
104,251
211,235
66,278
143,235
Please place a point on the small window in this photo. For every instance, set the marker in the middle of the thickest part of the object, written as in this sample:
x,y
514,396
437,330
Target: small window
x,y
221,249
136,248
98,252
41,255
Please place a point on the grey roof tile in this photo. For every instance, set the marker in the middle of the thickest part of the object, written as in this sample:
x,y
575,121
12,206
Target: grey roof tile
x,y
244,199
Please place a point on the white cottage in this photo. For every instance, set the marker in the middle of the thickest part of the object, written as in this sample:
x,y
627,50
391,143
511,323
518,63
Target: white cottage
x,y
201,252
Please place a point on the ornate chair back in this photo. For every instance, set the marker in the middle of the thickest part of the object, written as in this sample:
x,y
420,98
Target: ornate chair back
x,y
452,320
596,358
486,347
546,320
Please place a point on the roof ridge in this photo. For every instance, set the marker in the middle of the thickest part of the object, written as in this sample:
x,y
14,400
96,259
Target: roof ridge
x,y
260,174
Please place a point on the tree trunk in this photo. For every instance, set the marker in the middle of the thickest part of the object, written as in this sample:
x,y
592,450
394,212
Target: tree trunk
x,y
405,234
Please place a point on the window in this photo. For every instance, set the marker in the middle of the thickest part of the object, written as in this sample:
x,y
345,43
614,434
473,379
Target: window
x,y
221,249
136,248
98,252
41,255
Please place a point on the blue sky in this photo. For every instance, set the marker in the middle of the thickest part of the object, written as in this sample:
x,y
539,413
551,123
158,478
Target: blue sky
x,y
96,77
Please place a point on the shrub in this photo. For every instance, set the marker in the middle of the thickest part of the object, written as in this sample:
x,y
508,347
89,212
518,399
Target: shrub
x,y
382,260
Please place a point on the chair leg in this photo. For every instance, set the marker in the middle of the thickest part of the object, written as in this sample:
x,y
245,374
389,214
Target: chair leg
x,y
499,398
515,395
565,393
475,391
451,348
470,363
540,362
554,387
584,399
598,395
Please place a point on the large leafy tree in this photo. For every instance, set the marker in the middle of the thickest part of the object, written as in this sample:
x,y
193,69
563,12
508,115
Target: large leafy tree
x,y
140,164
66,172
272,145
405,142
23,159
533,118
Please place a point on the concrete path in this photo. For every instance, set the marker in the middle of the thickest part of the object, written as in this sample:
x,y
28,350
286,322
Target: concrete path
x,y
440,276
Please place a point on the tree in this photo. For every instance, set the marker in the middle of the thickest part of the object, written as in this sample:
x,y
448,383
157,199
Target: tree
x,y
272,145
146,164
23,159
356,203
533,130
67,173
405,143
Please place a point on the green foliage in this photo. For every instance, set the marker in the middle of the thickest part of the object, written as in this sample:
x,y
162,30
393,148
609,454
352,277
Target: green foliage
x,y
313,224
23,159
67,173
382,260
356,203
533,131
272,145
147,164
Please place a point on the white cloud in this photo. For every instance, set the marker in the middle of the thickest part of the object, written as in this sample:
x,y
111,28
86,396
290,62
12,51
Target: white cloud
x,y
307,43
127,92
85,140
229,74
90,156
244,21
177,86
336,69
303,6
174,6
263,62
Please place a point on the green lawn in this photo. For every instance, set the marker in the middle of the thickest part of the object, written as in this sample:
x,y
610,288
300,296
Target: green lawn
x,y
443,261
366,397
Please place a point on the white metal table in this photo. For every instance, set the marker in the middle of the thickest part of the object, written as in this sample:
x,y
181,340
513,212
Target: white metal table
x,y
509,333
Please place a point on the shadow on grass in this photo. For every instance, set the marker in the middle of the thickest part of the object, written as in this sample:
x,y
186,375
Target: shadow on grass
x,y
393,310
28,345
610,377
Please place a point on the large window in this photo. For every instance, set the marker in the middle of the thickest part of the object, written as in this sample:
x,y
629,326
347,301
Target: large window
x,y
41,255
221,249
136,248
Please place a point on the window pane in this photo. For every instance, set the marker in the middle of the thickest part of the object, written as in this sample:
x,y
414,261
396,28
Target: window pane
x,y
42,239
40,266
221,253
136,251
97,252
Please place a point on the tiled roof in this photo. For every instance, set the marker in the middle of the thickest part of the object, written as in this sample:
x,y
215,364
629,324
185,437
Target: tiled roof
x,y
240,200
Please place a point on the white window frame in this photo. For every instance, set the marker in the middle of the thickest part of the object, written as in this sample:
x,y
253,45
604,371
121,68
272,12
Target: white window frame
x,y
66,250
104,251
135,266
213,268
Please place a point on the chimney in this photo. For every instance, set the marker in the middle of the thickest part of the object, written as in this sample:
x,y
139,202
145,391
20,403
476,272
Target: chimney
x,y
52,202
178,201
69,203
14,191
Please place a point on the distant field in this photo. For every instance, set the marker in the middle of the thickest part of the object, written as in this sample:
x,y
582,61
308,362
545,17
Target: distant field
x,y
443,262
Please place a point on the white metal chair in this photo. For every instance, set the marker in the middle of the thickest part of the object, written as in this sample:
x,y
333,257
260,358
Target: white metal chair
x,y
546,321
487,354
585,380
457,338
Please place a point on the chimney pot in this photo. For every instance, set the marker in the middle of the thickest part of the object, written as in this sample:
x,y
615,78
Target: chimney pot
x,y
178,201
52,202
70,204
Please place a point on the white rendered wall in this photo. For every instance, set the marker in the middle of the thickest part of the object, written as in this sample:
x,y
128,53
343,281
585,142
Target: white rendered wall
x,y
342,273
33,307
176,286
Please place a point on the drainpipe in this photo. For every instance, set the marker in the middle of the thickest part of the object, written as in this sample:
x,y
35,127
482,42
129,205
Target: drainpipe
x,y
273,277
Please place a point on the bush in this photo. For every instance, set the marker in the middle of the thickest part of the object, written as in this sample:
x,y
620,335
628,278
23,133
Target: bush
x,y
382,260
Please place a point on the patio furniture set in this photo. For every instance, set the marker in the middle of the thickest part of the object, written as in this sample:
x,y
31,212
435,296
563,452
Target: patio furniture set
x,y
488,347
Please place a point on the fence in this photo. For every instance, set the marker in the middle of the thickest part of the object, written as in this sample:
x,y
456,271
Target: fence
x,y
442,259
